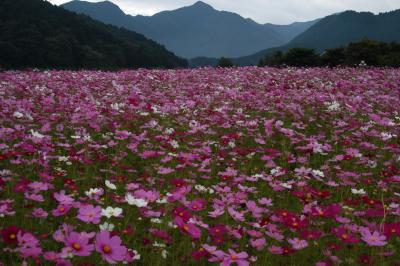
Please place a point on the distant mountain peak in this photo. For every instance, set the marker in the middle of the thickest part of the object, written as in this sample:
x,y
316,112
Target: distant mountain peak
x,y
101,4
202,5
105,7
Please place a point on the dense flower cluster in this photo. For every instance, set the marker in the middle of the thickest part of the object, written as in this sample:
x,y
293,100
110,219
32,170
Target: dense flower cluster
x,y
241,166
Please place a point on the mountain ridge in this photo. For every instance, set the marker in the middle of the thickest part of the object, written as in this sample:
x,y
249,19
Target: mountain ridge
x,y
332,31
196,30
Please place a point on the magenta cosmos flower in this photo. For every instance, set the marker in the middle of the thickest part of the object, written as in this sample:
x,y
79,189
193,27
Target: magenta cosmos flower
x,y
188,228
110,247
90,214
79,244
9,234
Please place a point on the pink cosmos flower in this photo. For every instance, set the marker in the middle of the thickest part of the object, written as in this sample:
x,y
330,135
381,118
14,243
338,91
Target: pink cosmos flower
x,y
28,245
298,243
79,244
373,239
197,205
61,233
258,244
110,248
63,198
61,210
90,214
39,213
34,197
275,250
148,195
233,257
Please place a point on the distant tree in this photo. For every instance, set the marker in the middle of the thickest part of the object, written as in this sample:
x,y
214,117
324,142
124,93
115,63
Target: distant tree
x,y
301,57
225,62
365,50
274,60
333,57
390,56
362,53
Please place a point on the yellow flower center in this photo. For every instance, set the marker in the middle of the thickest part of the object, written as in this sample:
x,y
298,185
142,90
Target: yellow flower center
x,y
13,236
76,246
106,249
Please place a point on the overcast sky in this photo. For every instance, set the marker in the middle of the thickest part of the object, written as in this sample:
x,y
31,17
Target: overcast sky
x,y
262,11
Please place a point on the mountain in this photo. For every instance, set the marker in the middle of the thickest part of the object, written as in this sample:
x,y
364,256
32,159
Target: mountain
x,y
333,31
104,11
288,32
34,33
196,30
350,26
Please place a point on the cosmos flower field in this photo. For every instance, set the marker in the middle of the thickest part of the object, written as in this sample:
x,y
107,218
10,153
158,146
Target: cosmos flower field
x,y
240,166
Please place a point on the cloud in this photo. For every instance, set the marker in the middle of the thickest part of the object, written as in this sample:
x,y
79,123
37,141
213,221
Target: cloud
x,y
262,11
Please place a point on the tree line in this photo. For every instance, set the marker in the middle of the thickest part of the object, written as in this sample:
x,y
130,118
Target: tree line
x,y
366,53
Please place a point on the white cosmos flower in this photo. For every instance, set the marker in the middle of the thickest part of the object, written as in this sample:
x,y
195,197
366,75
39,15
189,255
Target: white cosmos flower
x,y
318,173
110,212
93,191
155,220
133,201
358,191
36,134
18,115
162,201
137,255
174,144
169,131
110,185
159,245
286,185
333,106
107,227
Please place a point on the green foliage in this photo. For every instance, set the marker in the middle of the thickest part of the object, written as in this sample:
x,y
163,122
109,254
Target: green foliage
x,y
276,59
225,62
34,33
301,57
373,53
333,57
294,57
